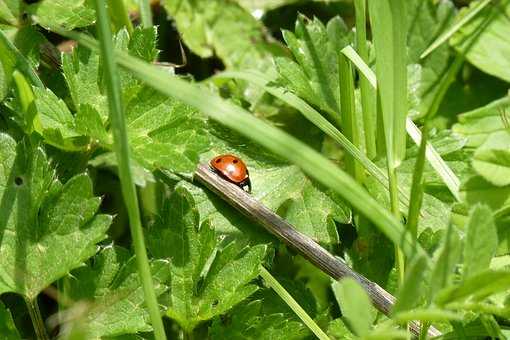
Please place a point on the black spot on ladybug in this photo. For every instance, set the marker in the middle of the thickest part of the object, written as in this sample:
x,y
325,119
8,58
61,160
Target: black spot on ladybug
x,y
218,160
18,181
235,161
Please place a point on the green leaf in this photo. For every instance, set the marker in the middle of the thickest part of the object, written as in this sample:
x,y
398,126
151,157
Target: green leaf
x,y
481,241
479,124
237,39
10,11
7,327
11,59
411,290
302,202
315,76
492,159
355,305
56,121
427,315
449,254
476,287
205,280
163,132
68,14
82,74
88,122
251,321
386,18
47,228
425,21
143,43
478,190
484,40
274,139
113,294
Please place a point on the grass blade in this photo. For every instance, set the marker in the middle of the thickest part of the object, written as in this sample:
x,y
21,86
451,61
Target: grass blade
x,y
388,18
145,13
272,138
451,31
316,118
120,16
367,93
350,124
438,164
126,179
293,304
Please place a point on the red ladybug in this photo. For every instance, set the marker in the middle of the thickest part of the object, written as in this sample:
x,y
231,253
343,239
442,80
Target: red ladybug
x,y
232,169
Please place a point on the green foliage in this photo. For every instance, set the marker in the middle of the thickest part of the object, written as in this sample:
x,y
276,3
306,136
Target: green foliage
x,y
355,305
206,278
67,14
315,75
48,228
7,327
290,104
112,294
484,40
250,321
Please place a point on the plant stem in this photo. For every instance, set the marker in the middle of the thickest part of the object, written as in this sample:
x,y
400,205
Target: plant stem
x,y
36,317
350,126
120,16
121,147
145,13
424,329
417,185
289,300
367,92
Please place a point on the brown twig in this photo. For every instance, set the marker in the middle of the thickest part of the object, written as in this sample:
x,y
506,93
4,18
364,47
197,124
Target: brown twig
x,y
320,257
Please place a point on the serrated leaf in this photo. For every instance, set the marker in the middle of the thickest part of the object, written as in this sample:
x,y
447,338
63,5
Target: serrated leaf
x,y
143,43
7,327
355,305
47,228
492,159
314,75
205,281
112,293
250,321
481,241
484,39
66,14
82,75
237,38
163,132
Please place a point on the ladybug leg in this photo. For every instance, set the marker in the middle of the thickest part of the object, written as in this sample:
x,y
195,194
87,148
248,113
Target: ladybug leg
x,y
246,185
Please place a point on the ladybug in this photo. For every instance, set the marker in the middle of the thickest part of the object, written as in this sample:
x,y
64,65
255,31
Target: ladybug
x,y
232,169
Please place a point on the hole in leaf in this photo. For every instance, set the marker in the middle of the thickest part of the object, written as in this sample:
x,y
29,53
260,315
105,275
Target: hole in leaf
x,y
215,303
18,180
